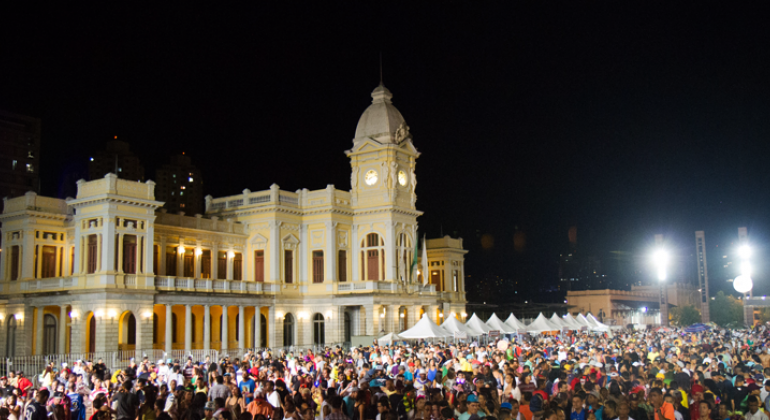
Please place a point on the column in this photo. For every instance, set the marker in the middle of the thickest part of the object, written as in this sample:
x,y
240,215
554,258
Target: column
x,y
120,253
179,261
169,337
108,245
416,314
354,254
303,253
138,318
448,278
224,327
139,262
78,248
198,261
274,243
241,329
38,261
63,317
433,313
39,329
162,256
257,327
58,258
187,328
99,252
149,246
272,327
394,318
27,258
230,261
206,327
373,319
390,250
331,252
215,262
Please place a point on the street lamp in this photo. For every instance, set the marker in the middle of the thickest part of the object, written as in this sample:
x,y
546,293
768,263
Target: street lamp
x,y
660,259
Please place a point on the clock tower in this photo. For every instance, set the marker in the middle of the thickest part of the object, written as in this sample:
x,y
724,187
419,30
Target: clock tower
x,y
383,157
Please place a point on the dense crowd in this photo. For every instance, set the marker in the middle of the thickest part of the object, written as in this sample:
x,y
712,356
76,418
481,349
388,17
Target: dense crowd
x,y
716,375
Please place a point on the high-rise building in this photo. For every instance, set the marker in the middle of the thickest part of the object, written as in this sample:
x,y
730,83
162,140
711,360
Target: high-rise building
x,y
179,185
703,274
116,158
19,154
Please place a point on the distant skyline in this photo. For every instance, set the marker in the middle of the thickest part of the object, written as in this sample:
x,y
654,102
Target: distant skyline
x,y
623,120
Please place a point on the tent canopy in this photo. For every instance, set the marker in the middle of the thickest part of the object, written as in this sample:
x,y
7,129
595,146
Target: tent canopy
x,y
477,324
425,328
541,324
495,323
596,325
514,322
388,338
572,323
581,319
556,320
453,325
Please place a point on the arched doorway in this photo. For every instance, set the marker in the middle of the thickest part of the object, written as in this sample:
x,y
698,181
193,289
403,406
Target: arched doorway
x,y
91,334
263,331
49,334
319,332
288,330
10,337
127,331
348,327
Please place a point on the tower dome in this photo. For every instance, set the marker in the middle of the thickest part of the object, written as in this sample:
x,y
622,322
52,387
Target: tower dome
x,y
381,121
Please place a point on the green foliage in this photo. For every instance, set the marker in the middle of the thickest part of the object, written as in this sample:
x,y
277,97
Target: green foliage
x,y
764,315
685,315
726,309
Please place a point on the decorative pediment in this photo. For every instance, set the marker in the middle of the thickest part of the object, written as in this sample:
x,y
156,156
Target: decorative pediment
x,y
366,145
258,240
290,241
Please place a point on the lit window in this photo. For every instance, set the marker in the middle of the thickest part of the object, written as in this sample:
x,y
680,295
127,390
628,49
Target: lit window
x,y
174,175
120,169
189,179
30,168
181,205
92,159
181,192
13,165
182,187
30,155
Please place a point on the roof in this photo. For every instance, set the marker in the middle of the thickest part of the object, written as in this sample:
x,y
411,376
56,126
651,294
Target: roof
x,y
381,121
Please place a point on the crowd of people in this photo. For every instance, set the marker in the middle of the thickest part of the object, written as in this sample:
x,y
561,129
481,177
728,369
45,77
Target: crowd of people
x,y
715,375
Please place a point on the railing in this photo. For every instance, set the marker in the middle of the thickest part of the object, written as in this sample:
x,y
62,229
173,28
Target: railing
x,y
130,280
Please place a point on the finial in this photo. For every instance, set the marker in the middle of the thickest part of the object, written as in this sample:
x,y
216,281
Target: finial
x,y
381,68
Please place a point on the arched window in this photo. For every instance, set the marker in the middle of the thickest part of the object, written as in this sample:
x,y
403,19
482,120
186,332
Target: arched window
x,y
372,257
348,327
131,339
263,331
10,337
49,334
154,328
404,256
288,330
319,332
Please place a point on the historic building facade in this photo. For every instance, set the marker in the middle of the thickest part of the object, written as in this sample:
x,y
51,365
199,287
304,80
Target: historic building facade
x,y
108,270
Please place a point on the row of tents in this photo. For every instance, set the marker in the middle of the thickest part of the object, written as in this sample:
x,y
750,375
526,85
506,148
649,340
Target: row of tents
x,y
453,327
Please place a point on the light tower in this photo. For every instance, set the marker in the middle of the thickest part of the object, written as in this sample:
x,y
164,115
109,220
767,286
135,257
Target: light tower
x,y
660,259
703,275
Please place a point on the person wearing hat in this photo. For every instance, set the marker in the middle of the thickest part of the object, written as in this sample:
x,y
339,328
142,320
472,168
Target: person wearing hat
x,y
208,410
473,409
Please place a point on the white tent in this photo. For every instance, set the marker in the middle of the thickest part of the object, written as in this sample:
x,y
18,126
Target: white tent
x,y
556,320
495,323
541,324
571,322
514,322
596,325
425,328
453,325
477,325
581,319
388,339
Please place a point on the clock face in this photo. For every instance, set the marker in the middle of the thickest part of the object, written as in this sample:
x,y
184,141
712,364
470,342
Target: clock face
x,y
371,177
402,178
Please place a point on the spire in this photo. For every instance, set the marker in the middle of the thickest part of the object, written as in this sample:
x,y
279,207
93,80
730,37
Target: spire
x,y
381,70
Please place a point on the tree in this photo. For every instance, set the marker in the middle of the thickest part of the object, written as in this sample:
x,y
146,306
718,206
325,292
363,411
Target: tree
x,y
685,315
726,309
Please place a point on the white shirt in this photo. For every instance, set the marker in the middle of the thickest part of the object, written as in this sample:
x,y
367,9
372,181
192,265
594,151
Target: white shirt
x,y
758,416
274,399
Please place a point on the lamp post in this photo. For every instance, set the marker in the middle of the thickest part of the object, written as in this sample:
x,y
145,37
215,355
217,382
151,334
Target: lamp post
x,y
744,284
660,258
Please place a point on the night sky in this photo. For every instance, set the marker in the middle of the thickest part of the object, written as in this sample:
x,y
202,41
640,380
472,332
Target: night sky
x,y
622,119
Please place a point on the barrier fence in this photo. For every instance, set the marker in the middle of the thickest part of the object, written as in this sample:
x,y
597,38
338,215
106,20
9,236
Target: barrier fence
x,y
33,366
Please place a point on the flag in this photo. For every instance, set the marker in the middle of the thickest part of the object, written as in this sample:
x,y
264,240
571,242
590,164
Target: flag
x,y
425,268
414,260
